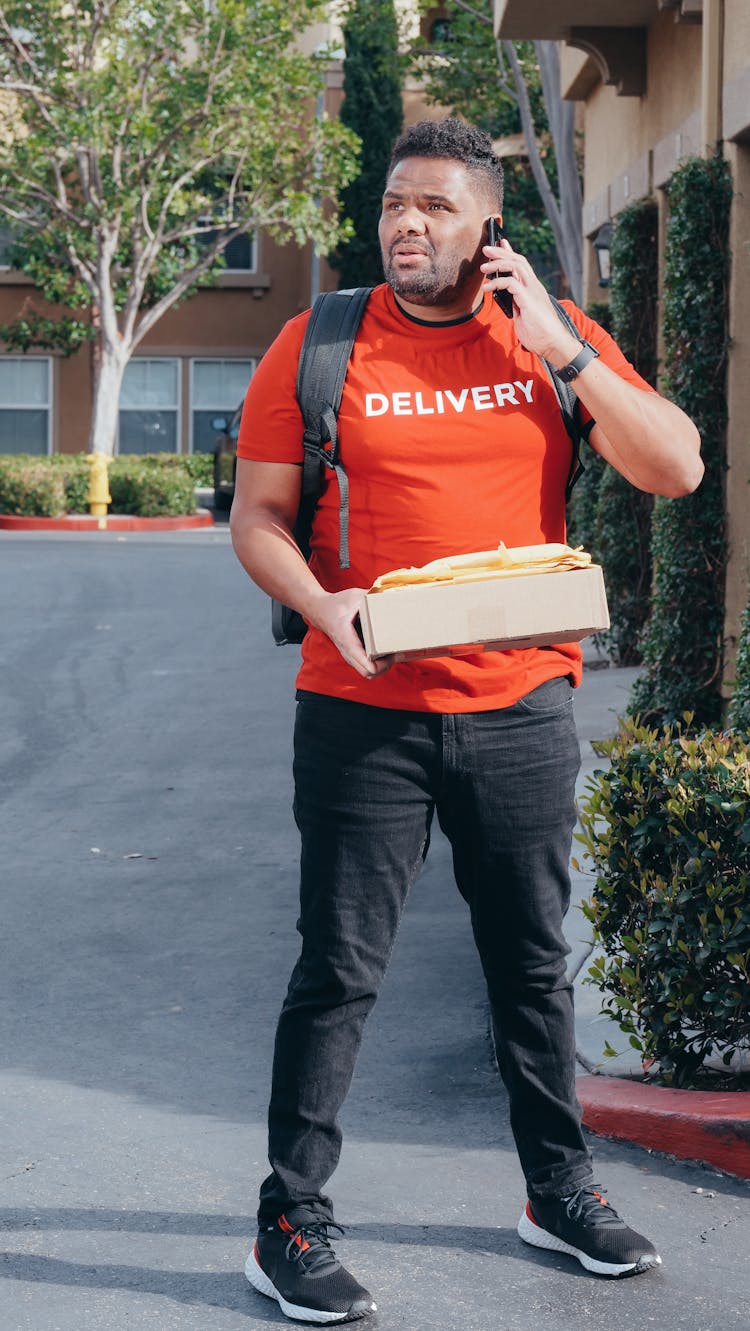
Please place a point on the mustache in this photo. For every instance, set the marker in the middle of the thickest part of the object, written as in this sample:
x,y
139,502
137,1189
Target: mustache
x,y
412,245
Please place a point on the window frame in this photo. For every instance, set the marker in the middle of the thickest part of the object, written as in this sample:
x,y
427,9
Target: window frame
x,y
222,407
168,360
48,405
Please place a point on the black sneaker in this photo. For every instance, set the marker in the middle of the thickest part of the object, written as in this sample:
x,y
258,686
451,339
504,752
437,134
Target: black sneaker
x,y
298,1267
584,1225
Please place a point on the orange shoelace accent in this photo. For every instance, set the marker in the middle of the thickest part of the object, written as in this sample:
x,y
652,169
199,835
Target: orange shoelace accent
x,y
286,1228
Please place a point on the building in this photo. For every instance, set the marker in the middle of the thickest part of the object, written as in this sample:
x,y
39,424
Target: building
x,y
196,362
659,81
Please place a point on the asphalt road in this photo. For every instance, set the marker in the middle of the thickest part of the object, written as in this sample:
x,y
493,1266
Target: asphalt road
x,y
148,906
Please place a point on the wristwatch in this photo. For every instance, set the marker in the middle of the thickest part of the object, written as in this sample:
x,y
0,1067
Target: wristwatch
x,y
571,371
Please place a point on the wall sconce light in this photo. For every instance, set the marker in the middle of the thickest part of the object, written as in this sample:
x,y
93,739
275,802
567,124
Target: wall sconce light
x,y
602,243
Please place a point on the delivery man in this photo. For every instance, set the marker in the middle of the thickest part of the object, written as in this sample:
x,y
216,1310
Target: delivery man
x,y
452,441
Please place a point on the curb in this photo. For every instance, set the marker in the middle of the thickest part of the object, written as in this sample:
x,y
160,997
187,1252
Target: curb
x,y
112,522
712,1127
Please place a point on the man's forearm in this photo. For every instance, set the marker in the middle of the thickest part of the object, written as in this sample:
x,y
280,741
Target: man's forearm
x,y
646,437
268,552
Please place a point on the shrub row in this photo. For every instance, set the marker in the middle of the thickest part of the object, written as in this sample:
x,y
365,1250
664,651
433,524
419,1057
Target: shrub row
x,y
668,830
150,485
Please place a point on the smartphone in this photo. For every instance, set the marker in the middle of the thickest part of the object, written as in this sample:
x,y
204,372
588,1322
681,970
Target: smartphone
x,y
495,234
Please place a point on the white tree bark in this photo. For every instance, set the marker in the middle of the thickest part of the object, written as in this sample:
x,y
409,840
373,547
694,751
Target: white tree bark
x,y
108,375
565,215
561,115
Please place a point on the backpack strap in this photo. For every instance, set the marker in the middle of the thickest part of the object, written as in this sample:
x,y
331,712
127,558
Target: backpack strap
x,y
321,372
569,406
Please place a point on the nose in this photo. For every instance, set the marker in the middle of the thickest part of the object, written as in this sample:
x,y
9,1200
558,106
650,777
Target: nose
x,y
410,220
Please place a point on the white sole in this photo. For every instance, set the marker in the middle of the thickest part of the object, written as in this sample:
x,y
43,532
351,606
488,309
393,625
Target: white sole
x,y
259,1280
533,1234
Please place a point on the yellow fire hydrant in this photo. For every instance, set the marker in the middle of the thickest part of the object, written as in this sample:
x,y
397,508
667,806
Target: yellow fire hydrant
x,y
99,496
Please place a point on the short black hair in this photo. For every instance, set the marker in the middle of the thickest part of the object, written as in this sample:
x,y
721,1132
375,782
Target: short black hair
x,y
454,139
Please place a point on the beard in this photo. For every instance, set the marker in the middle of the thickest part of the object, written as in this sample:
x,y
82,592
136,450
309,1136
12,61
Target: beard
x,y
433,283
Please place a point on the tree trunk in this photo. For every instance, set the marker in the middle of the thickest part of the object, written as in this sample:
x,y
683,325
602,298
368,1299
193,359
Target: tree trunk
x,y
108,373
561,117
564,214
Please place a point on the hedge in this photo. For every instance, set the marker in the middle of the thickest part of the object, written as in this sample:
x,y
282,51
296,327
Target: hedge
x,y
682,646
608,516
739,709
150,485
668,830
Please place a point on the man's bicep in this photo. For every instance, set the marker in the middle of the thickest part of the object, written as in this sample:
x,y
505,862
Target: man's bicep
x,y
273,487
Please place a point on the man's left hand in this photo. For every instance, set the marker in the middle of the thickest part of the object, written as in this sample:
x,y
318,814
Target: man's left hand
x,y
537,325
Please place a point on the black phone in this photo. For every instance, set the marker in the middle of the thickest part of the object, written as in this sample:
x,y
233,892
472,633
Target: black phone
x,y
495,234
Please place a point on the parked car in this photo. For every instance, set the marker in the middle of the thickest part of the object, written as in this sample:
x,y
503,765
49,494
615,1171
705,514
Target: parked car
x,y
225,457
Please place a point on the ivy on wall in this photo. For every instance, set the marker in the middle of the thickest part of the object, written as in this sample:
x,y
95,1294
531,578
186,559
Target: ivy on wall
x,y
682,645
608,515
739,708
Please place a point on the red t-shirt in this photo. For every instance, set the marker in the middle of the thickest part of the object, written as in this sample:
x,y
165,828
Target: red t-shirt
x,y
452,439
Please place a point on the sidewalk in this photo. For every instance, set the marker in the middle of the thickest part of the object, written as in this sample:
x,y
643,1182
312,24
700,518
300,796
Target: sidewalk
x,y
693,1125
149,900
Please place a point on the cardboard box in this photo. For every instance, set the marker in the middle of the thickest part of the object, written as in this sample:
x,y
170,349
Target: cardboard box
x,y
493,614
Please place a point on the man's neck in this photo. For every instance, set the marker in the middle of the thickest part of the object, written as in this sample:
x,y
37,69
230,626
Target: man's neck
x,y
409,312
464,306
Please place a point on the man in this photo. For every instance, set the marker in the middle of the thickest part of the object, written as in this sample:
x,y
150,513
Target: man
x,y
470,449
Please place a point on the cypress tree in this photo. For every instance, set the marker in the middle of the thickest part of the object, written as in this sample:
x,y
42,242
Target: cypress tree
x,y
372,108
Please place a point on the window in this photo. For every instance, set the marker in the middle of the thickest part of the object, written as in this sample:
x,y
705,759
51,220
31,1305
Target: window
x,y
440,32
217,388
241,254
149,406
25,393
6,243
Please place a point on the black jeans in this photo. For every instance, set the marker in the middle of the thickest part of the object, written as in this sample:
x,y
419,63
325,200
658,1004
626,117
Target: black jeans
x,y
367,782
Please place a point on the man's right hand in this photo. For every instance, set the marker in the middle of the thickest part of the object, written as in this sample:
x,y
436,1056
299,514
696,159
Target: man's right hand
x,y
334,613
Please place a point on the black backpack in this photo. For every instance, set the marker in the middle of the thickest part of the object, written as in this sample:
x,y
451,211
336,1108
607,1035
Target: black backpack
x,y
321,371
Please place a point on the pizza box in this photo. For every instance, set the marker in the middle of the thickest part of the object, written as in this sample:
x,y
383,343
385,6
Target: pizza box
x,y
490,614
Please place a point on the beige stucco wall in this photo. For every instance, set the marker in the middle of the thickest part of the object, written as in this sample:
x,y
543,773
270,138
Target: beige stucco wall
x,y
737,38
621,131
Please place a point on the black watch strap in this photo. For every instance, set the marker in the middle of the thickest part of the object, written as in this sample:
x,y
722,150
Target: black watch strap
x,y
571,371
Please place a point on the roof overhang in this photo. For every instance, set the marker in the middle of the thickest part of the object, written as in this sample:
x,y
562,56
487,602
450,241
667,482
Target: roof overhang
x,y
554,19
612,32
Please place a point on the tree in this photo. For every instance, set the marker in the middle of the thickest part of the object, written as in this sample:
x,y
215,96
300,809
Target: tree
x,y
372,108
483,78
138,140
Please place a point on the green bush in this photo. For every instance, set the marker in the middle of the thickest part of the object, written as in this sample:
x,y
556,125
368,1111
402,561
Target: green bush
x,y
150,488
623,518
739,709
200,466
668,830
29,487
152,485
622,542
682,645
607,515
76,476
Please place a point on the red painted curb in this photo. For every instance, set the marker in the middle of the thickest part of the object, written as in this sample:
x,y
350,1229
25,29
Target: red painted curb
x,y
112,522
710,1126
